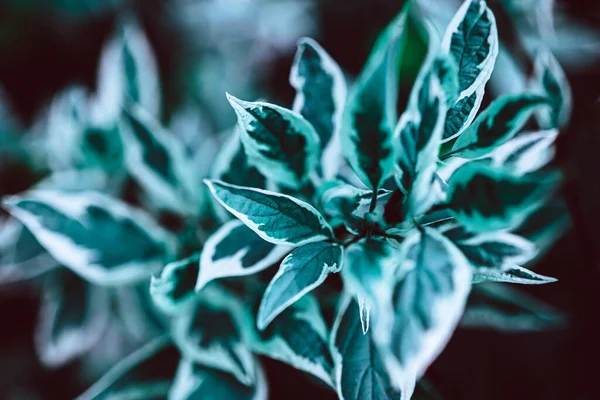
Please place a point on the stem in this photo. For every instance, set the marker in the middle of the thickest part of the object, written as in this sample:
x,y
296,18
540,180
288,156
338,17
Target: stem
x,y
373,201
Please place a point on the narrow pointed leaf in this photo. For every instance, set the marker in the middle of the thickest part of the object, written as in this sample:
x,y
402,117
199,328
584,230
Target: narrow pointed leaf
x,y
173,290
137,377
514,274
434,281
320,97
73,318
370,114
277,218
85,232
360,372
497,124
550,80
159,163
471,39
280,143
304,269
235,250
486,199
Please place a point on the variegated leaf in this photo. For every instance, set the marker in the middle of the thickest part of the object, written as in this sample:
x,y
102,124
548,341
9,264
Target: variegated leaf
x,y
235,250
85,231
280,143
320,97
173,290
277,218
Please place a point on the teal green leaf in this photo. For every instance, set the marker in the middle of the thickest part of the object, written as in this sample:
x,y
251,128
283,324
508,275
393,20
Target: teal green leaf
x,y
159,163
297,337
368,273
514,274
277,218
102,147
506,309
280,143
232,166
320,97
209,334
21,255
419,134
370,113
434,280
136,377
497,124
360,371
527,152
471,39
304,269
551,81
127,74
173,289
86,231
494,250
486,199
195,381
235,250
72,320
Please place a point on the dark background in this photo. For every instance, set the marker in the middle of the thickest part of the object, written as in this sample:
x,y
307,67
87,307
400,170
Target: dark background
x,y
41,51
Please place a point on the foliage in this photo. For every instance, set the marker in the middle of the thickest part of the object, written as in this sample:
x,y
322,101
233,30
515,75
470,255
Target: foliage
x,y
411,211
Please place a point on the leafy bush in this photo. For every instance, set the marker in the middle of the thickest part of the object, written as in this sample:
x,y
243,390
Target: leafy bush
x,y
380,224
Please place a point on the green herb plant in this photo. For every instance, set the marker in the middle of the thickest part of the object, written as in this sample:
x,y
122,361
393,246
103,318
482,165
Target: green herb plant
x,y
359,231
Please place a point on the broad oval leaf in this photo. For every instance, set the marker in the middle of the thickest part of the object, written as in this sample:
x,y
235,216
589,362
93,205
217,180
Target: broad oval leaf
x,y
73,318
277,218
419,134
320,97
471,39
503,308
137,377
235,250
159,163
86,231
195,381
370,113
21,255
173,290
514,274
208,334
550,80
498,123
360,372
304,269
434,280
486,199
127,73
298,337
280,143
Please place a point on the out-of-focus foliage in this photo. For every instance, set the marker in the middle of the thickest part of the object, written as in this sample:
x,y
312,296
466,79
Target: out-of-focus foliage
x,y
419,213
